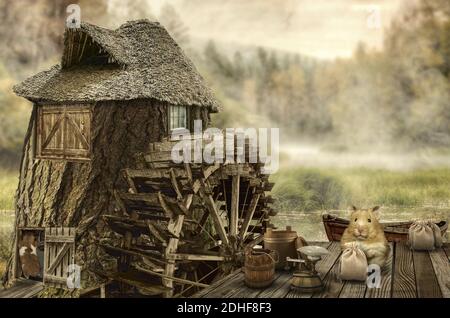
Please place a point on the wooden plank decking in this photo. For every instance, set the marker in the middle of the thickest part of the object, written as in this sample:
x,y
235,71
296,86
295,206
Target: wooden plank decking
x,y
23,288
411,275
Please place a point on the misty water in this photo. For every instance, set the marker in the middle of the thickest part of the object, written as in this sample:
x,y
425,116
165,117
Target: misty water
x,y
315,157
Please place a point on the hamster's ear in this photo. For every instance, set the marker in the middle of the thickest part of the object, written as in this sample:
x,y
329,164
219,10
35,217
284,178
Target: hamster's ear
x,y
376,211
353,209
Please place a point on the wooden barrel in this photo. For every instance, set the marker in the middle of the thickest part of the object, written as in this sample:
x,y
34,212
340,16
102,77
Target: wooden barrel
x,y
283,242
259,268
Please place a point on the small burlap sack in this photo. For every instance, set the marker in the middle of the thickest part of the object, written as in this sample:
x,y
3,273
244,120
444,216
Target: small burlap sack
x,y
421,236
353,264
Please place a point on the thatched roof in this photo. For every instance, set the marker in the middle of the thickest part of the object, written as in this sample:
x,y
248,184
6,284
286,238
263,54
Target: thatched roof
x,y
145,62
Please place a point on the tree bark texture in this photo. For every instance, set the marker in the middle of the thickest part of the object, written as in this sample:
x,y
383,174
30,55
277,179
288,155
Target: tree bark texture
x,y
54,193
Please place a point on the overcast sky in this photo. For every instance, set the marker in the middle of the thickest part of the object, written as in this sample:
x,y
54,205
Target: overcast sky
x,y
319,28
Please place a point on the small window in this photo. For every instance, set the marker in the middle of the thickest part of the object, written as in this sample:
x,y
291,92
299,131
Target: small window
x,y
63,132
177,117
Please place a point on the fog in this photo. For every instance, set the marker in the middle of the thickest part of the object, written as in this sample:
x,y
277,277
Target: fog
x,y
313,156
321,28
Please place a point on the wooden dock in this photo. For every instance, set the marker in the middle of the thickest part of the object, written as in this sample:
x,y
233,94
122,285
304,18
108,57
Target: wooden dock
x,y
412,274
23,288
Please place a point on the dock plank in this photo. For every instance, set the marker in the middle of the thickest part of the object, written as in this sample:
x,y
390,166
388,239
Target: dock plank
x,y
353,289
404,285
280,287
246,292
441,267
228,287
426,281
333,284
218,284
22,288
385,290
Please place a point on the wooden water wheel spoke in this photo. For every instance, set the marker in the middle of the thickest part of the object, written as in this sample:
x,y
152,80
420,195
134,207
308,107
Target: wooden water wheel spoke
x,y
199,280
234,205
245,201
249,216
197,257
218,224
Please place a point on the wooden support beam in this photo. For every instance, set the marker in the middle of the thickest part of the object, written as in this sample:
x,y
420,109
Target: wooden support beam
x,y
175,279
167,210
176,224
187,168
202,221
207,172
197,257
155,232
175,185
234,213
188,202
249,215
214,212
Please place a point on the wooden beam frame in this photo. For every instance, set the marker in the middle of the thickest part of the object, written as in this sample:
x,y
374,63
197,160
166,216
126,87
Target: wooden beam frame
x,y
197,257
249,215
214,212
234,213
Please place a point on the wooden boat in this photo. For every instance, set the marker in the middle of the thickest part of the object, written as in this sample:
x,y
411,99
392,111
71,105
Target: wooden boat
x,y
395,231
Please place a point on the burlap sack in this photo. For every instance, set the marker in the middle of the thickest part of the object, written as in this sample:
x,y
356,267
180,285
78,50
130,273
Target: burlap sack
x,y
353,264
437,235
421,236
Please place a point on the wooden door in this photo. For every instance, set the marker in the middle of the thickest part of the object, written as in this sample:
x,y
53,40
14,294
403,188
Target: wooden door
x,y
59,254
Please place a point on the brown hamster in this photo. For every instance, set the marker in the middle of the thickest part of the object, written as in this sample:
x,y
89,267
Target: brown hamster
x,y
28,256
366,230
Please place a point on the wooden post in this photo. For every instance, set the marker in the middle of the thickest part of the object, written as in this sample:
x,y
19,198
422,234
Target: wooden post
x,y
234,204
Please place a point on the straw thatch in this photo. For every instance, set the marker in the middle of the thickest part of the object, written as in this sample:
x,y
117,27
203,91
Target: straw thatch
x,y
143,62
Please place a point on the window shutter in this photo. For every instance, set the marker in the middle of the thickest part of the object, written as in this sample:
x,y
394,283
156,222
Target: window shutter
x,y
50,139
78,129
63,132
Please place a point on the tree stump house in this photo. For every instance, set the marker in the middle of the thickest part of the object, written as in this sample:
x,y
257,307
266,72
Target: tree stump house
x,y
97,188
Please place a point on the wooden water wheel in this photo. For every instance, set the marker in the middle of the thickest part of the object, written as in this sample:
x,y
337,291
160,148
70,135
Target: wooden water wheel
x,y
185,225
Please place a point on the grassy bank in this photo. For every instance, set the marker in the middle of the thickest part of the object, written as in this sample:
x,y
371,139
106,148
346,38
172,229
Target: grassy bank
x,y
308,189
8,185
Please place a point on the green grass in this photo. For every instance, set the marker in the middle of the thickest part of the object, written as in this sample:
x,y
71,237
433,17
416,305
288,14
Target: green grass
x,y
8,186
307,189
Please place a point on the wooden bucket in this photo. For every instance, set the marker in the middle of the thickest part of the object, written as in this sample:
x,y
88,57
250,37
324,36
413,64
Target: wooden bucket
x,y
284,242
259,268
